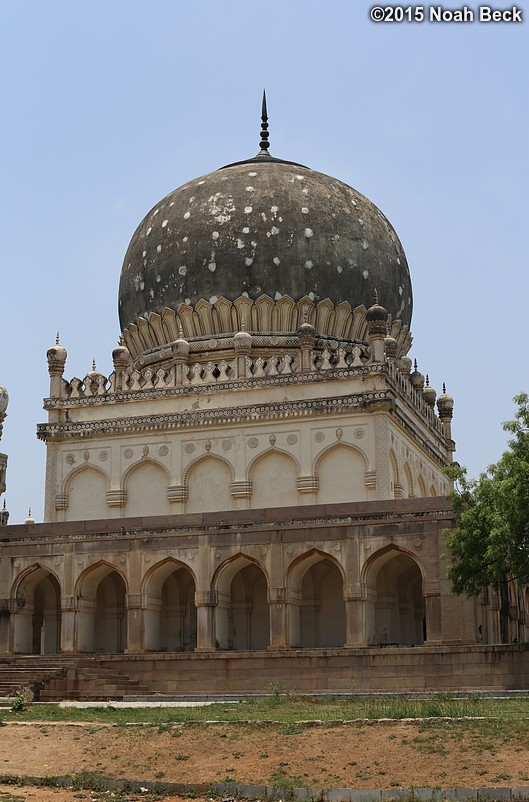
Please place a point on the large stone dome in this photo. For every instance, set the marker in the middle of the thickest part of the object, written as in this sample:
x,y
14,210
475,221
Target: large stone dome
x,y
263,227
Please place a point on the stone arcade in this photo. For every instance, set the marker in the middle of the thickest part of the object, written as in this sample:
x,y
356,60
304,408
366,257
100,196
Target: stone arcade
x,y
256,492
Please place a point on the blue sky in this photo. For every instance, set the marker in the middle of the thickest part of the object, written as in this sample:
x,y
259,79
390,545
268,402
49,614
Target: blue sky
x,y
108,106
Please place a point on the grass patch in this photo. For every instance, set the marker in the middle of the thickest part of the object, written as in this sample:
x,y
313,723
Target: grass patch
x,y
289,709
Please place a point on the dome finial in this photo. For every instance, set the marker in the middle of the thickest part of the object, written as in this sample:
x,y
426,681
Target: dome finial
x,y
375,296
57,339
94,364
264,144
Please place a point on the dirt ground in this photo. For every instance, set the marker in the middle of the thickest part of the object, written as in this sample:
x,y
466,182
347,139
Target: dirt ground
x,y
357,755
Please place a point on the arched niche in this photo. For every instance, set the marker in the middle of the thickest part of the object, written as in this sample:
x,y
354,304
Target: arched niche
x,y
242,618
102,615
208,482
316,610
146,486
394,474
170,615
341,472
274,477
421,488
407,481
395,610
37,620
86,490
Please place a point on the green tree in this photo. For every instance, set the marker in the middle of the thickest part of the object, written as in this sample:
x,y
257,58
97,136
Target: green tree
x,y
489,545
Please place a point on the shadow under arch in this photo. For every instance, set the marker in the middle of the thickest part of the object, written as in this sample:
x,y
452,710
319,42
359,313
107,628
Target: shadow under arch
x,y
242,617
37,620
170,615
316,606
340,470
101,619
395,607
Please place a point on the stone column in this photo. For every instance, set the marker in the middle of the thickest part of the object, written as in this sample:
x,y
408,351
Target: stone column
x,y
278,618
134,607
206,603
432,605
68,611
354,620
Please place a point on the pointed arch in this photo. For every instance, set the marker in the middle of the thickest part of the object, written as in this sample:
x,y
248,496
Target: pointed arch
x,y
407,479
242,618
421,487
395,609
146,484
394,472
102,615
170,616
273,475
37,618
85,488
208,484
316,609
341,474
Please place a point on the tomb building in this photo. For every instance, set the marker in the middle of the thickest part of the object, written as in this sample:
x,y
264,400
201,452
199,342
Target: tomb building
x,y
261,473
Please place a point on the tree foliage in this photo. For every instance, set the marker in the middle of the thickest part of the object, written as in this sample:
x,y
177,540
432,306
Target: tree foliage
x,y
490,542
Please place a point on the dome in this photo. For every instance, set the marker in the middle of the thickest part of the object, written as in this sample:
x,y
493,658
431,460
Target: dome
x,y
264,227
264,240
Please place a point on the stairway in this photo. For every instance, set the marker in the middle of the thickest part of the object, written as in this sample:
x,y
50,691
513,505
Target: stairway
x,y
49,678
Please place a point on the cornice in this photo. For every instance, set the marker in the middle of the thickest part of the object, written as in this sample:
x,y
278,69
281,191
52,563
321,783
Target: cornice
x,y
231,415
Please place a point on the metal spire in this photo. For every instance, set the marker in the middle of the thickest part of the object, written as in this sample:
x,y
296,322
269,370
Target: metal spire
x,y
264,144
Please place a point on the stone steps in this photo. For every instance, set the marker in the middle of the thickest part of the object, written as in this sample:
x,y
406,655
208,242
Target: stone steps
x,y
64,677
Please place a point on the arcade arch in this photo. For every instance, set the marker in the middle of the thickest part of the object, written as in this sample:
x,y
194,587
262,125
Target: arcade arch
x,y
316,610
242,618
170,615
37,621
395,609
101,619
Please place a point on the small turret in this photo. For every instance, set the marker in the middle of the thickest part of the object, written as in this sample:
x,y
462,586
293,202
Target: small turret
x,y
377,320
56,356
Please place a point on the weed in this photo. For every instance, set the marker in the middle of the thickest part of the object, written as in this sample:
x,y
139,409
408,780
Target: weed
x,y
18,705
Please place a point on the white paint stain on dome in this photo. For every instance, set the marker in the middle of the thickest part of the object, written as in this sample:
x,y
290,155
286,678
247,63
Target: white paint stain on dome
x,y
360,221
305,190
365,273
248,210
249,189
274,209
309,264
246,230
311,296
248,261
182,270
215,235
192,199
212,266
164,224
142,285
277,296
398,261
274,230
158,249
339,268
245,294
252,175
400,290
364,244
185,239
309,233
144,254
213,299
304,210
240,243
155,212
187,215
158,279
188,300
354,202
151,293
172,203
149,230
199,184
277,261
300,177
